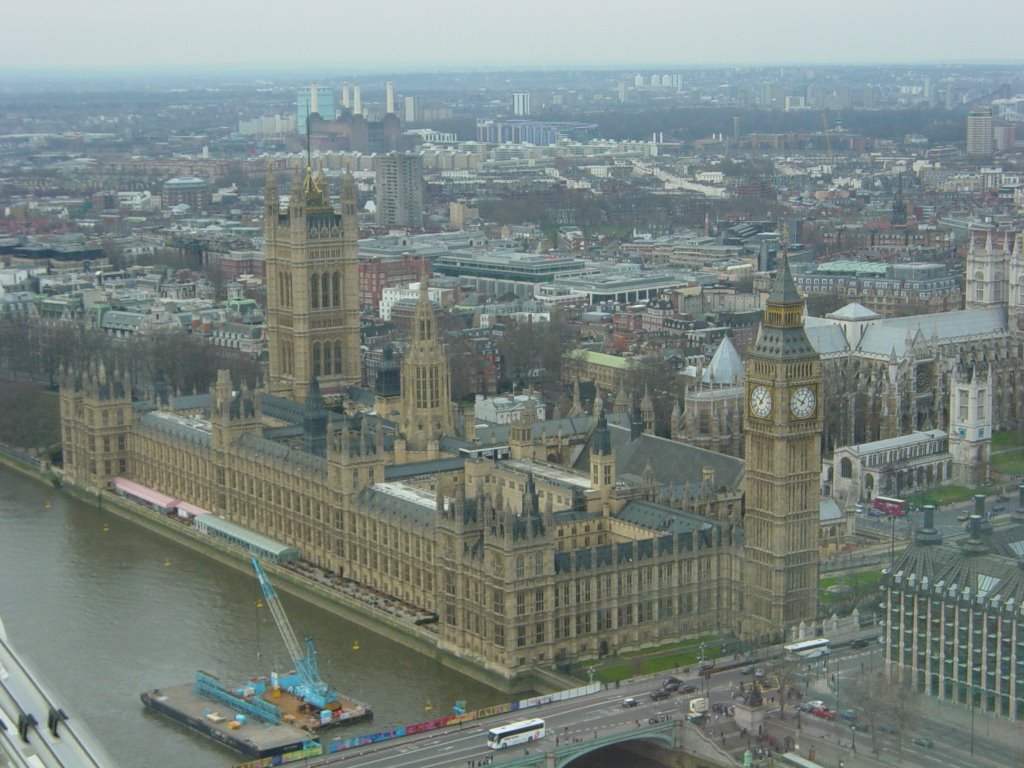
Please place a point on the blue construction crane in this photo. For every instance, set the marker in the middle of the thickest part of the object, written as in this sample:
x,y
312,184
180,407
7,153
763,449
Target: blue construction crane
x,y
312,688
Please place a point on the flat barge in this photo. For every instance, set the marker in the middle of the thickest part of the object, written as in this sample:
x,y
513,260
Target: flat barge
x,y
257,720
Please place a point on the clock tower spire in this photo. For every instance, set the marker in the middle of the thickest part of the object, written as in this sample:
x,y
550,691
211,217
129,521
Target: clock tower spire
x,y
783,463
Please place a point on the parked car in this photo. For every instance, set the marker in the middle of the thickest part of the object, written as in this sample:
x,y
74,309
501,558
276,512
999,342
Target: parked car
x,y
860,643
747,671
668,686
671,680
660,694
824,714
629,702
886,727
923,741
848,714
688,688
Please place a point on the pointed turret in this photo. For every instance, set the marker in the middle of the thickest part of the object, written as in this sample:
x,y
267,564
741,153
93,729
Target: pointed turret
x,y
602,444
314,421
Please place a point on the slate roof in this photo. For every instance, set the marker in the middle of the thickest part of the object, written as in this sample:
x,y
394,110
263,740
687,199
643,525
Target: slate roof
x,y
901,441
826,338
784,288
656,517
407,505
675,465
415,469
854,311
726,366
191,402
828,510
497,434
889,334
281,408
284,453
159,421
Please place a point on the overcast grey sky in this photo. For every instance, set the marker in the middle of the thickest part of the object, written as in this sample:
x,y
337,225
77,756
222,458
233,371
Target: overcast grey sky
x,y
406,35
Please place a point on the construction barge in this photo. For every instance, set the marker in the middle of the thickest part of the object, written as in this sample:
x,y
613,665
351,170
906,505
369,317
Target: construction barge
x,y
251,720
263,717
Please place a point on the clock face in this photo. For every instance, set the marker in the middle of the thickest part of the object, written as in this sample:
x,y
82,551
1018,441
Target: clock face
x,y
802,402
760,401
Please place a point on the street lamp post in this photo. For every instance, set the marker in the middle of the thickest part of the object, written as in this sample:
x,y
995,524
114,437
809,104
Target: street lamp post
x,y
892,541
973,699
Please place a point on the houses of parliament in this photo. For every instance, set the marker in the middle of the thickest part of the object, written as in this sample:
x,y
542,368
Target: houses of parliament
x,y
560,540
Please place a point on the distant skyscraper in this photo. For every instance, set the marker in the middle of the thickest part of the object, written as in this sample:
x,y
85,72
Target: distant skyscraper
x,y
390,99
410,109
638,81
521,104
313,99
399,190
979,132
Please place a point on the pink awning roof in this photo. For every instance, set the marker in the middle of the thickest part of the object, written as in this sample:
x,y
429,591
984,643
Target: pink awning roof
x,y
146,494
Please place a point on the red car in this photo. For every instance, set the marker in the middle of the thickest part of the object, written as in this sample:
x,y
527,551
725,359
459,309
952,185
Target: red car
x,y
824,714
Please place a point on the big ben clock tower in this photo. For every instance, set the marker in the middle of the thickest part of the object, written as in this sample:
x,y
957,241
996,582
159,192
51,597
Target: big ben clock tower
x,y
783,466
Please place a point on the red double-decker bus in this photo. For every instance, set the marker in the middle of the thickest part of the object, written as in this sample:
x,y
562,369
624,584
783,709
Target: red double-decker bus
x,y
889,507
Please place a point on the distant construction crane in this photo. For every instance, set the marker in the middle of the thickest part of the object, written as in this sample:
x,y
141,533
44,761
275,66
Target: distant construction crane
x,y
828,140
312,689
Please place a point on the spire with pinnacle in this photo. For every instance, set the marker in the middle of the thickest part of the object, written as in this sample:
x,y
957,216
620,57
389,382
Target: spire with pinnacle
x,y
784,288
782,332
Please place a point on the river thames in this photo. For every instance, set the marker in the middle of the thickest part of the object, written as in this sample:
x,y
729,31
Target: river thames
x,y
105,609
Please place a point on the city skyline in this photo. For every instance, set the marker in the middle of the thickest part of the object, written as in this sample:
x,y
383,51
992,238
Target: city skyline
x,y
148,38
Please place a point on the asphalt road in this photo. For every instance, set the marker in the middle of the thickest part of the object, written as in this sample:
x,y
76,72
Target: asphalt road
x,y
995,742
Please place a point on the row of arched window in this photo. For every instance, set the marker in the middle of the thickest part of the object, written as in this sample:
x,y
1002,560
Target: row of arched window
x,y
287,358
326,358
325,290
284,288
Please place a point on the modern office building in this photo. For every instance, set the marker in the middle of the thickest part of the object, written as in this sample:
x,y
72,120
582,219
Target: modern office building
x,y
187,190
954,626
521,103
979,133
313,100
399,184
532,132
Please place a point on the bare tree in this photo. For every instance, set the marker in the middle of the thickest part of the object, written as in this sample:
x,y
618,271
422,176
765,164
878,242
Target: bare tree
x,y
783,674
880,699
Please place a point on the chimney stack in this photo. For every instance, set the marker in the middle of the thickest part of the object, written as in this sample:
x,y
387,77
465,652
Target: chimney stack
x,y
390,98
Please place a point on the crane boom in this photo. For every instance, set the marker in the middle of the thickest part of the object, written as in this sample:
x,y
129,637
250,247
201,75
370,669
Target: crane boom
x,y
306,665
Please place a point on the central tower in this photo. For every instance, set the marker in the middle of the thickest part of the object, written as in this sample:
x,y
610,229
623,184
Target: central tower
x,y
783,464
426,381
312,288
